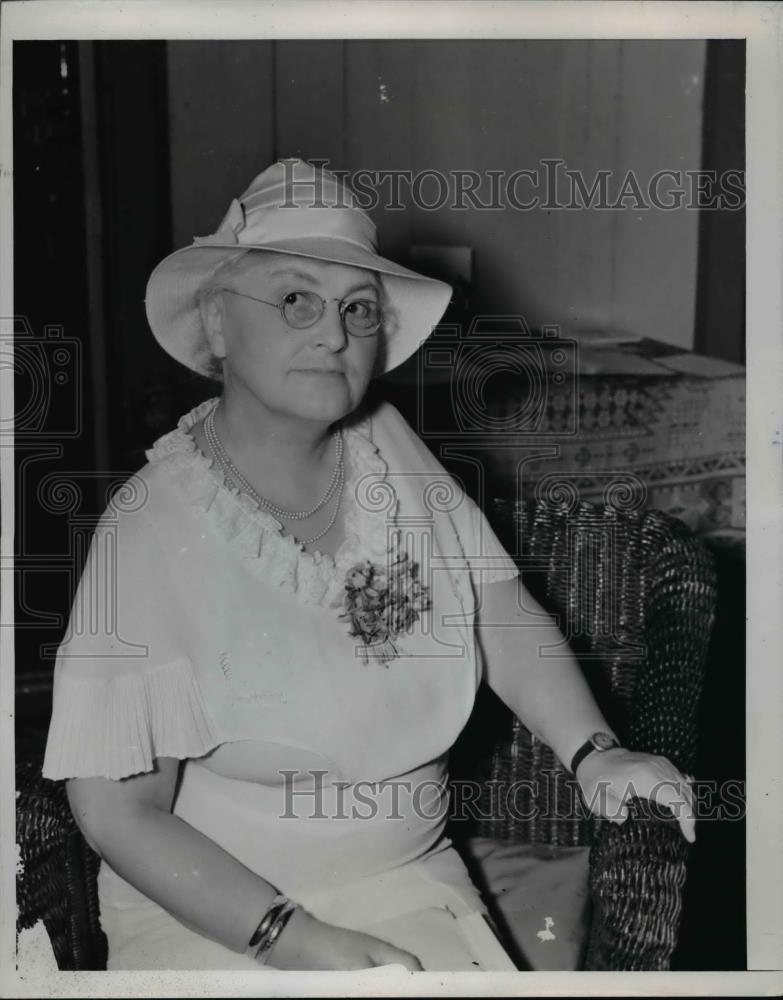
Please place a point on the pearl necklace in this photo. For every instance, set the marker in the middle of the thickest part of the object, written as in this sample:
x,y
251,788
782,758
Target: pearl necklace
x,y
230,470
218,449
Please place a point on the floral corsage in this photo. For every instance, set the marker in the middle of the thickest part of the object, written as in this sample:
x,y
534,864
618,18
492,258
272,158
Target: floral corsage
x,y
381,604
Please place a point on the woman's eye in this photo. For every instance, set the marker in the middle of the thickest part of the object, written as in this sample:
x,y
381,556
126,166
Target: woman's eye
x,y
359,308
293,298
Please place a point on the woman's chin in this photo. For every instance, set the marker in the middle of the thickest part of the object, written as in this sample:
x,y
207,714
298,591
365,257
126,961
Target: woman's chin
x,y
326,398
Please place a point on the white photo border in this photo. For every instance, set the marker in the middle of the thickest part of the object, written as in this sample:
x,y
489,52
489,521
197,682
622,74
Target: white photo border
x,y
760,24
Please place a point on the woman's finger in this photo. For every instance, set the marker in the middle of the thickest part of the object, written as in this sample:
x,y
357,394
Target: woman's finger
x,y
656,774
671,795
677,784
608,805
411,963
686,786
387,954
619,815
683,786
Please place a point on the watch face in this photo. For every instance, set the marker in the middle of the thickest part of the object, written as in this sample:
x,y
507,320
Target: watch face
x,y
603,741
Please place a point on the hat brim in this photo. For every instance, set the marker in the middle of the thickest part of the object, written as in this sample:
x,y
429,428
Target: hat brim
x,y
417,302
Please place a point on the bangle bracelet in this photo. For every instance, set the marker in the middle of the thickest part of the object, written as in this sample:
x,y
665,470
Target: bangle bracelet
x,y
268,919
275,931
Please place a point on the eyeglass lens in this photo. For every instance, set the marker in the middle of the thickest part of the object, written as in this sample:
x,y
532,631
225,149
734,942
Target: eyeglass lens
x,y
302,309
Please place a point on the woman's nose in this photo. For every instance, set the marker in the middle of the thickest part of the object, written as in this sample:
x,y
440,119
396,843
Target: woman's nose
x,y
330,329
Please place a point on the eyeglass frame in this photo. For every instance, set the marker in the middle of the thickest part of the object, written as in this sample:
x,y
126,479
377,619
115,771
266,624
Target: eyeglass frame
x,y
344,303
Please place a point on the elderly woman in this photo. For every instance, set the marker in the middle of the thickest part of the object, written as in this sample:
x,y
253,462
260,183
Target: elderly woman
x,y
293,619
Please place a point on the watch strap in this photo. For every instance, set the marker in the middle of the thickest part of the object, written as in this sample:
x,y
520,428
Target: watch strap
x,y
589,746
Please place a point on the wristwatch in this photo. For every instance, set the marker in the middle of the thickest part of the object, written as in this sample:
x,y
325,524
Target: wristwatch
x,y
598,741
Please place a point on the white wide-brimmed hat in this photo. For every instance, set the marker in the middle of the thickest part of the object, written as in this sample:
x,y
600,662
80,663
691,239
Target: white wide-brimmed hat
x,y
291,208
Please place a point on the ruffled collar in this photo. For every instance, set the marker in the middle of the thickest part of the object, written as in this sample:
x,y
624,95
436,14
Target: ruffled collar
x,y
277,558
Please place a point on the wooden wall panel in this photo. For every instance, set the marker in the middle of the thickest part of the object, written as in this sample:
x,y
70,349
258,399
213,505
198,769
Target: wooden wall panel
x,y
655,255
468,105
221,127
505,106
381,95
310,100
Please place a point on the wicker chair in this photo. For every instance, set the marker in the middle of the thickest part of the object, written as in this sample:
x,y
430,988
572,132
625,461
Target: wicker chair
x,y
635,592
57,873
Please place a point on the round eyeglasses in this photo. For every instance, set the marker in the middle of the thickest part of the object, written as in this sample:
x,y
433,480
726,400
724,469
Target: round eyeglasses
x,y
301,309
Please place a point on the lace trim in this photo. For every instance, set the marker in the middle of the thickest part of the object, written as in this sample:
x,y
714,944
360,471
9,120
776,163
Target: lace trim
x,y
274,556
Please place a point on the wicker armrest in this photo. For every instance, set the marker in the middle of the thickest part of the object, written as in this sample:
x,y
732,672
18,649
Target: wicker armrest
x,y
637,870
57,878
637,873
634,592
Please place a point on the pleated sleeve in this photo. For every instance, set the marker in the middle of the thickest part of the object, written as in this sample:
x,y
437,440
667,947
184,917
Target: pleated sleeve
x,y
124,692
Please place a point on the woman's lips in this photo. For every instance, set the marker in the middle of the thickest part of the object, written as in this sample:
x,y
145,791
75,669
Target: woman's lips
x,y
321,371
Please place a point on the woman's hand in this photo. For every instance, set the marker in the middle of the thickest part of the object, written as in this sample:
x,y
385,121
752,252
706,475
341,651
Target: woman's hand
x,y
307,943
610,778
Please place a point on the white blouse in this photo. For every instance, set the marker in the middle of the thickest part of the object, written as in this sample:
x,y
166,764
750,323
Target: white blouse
x,y
200,631
198,623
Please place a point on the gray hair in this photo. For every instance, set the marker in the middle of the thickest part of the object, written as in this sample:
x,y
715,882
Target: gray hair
x,y
210,365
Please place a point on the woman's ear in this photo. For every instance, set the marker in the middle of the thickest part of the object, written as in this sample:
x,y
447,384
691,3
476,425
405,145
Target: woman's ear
x,y
212,319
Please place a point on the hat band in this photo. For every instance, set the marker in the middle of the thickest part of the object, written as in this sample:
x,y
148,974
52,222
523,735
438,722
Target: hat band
x,y
259,226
